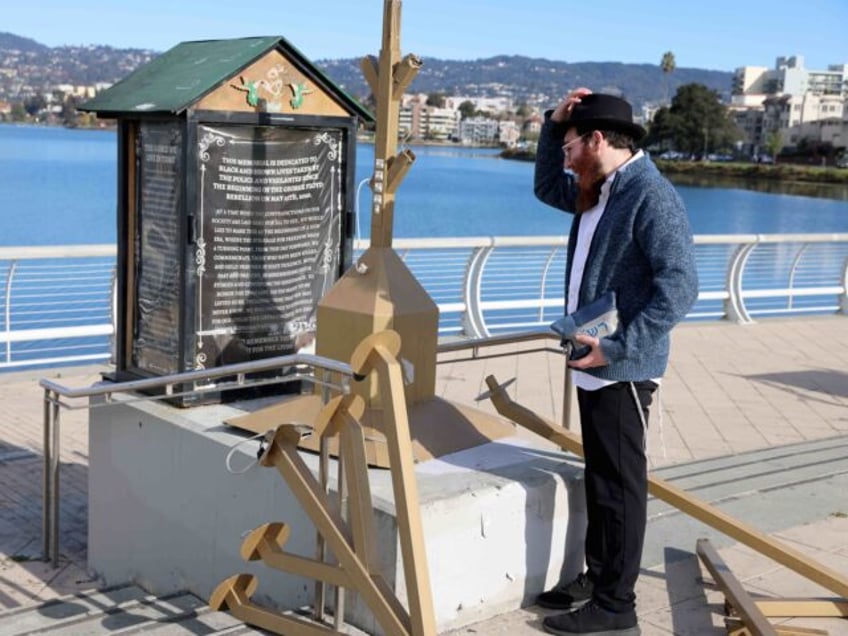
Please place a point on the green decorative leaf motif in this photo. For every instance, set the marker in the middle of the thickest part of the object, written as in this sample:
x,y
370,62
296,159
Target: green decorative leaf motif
x,y
299,90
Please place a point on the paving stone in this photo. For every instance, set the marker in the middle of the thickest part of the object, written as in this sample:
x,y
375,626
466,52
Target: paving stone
x,y
728,390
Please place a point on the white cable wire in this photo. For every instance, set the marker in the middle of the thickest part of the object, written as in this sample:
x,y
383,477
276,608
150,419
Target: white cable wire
x,y
645,422
660,421
233,450
641,417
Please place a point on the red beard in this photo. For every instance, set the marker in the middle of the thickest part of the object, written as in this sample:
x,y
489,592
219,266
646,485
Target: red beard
x,y
590,178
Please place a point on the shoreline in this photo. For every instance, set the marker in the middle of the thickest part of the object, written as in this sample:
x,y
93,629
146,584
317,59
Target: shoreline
x,y
737,170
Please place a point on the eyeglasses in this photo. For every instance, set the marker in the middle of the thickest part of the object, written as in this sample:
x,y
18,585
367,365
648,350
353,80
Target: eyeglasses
x,y
567,146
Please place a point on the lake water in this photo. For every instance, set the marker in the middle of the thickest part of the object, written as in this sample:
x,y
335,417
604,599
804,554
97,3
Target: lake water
x,y
58,187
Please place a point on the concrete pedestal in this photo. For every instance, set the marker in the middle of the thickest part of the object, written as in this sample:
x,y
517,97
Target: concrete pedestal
x,y
165,512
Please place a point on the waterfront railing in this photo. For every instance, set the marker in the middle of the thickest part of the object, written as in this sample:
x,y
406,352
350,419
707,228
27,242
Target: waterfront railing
x,y
58,302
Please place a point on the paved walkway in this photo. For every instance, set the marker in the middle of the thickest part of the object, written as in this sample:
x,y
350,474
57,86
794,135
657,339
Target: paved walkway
x,y
729,390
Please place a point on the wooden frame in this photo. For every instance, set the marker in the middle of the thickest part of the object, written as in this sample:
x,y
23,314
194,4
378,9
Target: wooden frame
x,y
352,542
753,617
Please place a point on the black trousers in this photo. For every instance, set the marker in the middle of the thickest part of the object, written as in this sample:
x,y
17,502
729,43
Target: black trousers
x,y
616,489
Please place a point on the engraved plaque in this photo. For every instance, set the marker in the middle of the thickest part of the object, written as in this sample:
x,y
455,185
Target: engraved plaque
x,y
268,229
157,253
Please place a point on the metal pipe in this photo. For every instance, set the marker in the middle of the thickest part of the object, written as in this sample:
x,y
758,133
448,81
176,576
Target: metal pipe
x,y
54,485
494,341
339,595
544,282
323,474
46,492
795,262
320,545
267,364
9,278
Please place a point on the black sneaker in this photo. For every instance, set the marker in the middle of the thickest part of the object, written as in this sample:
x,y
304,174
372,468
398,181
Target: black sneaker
x,y
567,597
593,620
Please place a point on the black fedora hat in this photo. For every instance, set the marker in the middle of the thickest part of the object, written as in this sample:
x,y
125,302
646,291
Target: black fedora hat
x,y
597,111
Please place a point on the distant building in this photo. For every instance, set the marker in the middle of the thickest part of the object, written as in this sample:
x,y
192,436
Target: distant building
x,y
792,101
417,121
508,133
478,130
532,125
789,76
483,104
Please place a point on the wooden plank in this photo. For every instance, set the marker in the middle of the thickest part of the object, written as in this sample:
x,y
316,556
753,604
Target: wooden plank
x,y
751,616
325,515
735,627
278,623
360,505
415,568
388,109
708,514
266,543
806,607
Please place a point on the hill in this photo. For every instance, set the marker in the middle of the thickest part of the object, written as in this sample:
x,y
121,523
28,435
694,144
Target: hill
x,y
536,80
27,66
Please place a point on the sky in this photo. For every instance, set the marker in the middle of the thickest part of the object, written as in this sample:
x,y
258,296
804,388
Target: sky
x,y
715,34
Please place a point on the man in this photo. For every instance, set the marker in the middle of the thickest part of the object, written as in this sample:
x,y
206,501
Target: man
x,y
629,235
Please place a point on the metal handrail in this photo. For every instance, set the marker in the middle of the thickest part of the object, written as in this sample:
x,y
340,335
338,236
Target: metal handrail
x,y
472,307
201,382
196,382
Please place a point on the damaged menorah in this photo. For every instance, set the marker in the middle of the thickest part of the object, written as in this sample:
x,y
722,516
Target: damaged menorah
x,y
352,541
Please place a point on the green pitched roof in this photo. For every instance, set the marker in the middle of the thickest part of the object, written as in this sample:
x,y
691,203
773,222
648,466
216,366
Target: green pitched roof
x,y
182,75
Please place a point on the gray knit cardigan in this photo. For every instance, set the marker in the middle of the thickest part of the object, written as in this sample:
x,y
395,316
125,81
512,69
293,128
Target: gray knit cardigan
x,y
642,250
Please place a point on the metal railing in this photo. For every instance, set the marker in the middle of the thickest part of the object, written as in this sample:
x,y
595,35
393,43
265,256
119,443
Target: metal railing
x,y
493,285
330,375
312,369
58,302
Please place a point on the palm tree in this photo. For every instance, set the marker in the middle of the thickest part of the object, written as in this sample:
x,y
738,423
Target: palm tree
x,y
667,64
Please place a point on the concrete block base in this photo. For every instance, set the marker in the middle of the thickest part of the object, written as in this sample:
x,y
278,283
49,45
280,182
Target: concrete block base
x,y
166,512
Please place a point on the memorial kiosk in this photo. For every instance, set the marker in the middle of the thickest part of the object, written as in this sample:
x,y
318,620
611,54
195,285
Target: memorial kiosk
x,y
185,516
235,203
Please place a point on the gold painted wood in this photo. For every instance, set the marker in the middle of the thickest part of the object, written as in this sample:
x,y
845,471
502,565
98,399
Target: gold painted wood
x,y
375,354
380,293
238,588
437,426
234,594
680,499
360,506
752,618
275,77
404,73
369,70
804,607
324,513
398,167
332,416
735,627
265,544
392,76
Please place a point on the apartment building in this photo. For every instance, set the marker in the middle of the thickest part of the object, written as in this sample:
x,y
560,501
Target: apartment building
x,y
478,130
508,133
418,121
792,101
484,104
